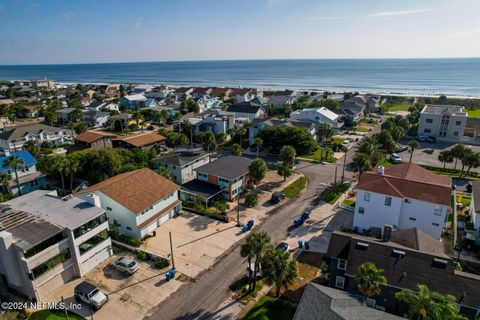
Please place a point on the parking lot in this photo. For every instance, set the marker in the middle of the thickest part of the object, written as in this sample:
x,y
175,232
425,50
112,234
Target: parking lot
x,y
197,241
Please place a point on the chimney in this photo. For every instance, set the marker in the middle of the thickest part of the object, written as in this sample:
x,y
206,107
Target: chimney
x,y
381,170
94,200
387,232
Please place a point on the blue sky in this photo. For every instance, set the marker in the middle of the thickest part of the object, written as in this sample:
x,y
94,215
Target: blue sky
x,y
38,32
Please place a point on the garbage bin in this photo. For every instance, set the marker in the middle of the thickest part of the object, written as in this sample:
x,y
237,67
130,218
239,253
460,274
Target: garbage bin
x,y
170,274
300,244
307,245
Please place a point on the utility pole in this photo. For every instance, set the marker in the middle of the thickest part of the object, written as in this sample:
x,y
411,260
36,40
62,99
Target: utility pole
x,y
64,308
171,250
344,164
335,181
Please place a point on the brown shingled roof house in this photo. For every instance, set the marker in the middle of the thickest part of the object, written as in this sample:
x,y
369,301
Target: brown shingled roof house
x,y
140,200
95,140
408,258
142,140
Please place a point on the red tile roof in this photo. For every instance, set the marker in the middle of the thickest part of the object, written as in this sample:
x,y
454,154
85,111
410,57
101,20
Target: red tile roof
x,y
135,190
408,180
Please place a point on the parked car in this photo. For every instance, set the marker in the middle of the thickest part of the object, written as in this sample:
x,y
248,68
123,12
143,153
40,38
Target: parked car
x,y
400,148
90,294
283,246
277,197
250,268
346,142
421,138
395,158
431,139
125,265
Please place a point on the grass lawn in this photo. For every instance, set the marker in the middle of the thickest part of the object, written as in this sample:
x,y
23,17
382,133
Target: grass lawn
x,y
316,155
269,308
360,129
337,140
294,189
348,202
451,172
398,107
330,196
242,289
384,162
52,315
368,121
474,113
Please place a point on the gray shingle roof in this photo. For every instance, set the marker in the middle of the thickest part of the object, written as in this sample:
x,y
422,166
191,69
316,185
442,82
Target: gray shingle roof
x,y
179,158
229,167
324,303
439,109
19,132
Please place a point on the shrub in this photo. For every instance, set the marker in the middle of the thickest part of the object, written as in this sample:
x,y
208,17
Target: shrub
x,y
221,205
141,255
161,263
129,240
429,151
251,199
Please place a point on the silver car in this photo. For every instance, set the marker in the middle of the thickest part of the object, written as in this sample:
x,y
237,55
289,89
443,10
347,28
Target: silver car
x,y
125,265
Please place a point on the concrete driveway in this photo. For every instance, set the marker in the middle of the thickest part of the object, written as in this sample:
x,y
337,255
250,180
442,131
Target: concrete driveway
x,y
197,241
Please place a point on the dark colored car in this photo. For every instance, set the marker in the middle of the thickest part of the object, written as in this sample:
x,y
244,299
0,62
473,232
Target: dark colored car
x,y
283,246
277,197
431,139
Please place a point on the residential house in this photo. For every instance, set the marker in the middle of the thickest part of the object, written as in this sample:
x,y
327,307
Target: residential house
x,y
324,303
30,111
216,121
207,103
226,177
160,92
443,121
402,196
247,110
281,98
352,110
134,101
46,241
183,93
319,115
6,102
43,84
408,257
182,164
149,140
13,138
222,93
256,126
472,224
138,201
95,140
28,177
242,94
95,119
96,105
339,97
142,89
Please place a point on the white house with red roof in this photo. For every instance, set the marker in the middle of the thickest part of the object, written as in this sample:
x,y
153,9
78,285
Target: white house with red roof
x,y
403,196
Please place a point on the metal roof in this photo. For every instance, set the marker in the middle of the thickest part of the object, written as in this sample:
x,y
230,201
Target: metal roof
x,y
27,158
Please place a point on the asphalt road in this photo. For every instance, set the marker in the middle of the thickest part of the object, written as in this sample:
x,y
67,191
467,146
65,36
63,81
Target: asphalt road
x,y
200,299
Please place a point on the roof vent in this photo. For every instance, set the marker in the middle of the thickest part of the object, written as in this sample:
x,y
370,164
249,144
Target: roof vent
x,y
362,245
439,263
381,170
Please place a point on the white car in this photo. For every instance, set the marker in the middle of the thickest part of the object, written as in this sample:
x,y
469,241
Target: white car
x,y
346,142
250,268
90,294
125,265
395,158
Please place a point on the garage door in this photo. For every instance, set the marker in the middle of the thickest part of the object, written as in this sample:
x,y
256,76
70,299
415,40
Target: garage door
x,y
94,260
164,218
48,287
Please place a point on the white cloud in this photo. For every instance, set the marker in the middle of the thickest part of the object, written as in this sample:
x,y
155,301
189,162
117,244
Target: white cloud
x,y
464,34
397,13
66,16
327,18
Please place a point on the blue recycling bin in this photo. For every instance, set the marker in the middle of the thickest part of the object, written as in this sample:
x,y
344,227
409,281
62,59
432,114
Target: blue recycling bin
x,y
307,245
300,244
170,274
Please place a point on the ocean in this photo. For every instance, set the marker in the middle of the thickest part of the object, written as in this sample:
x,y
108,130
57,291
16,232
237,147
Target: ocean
x,y
459,76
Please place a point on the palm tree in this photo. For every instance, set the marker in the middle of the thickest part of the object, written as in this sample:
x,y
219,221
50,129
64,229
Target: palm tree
x,y
362,162
236,150
72,165
15,163
5,180
472,160
278,269
445,157
467,156
241,132
257,170
32,147
412,145
137,117
287,155
457,152
285,171
59,164
371,147
255,247
369,278
258,144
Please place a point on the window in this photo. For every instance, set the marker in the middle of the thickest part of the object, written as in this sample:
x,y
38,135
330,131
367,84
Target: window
x,y
458,123
202,175
366,197
429,120
412,219
408,200
361,210
388,201
109,209
93,241
455,133
427,130
435,224
92,224
339,282
342,264
43,245
222,180
129,229
438,210
51,263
